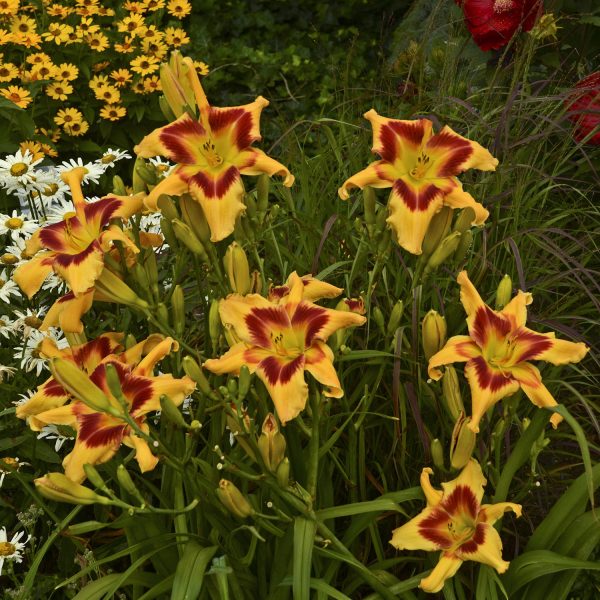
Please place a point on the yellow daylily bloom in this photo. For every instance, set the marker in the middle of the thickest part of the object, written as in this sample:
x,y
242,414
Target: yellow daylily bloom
x,y
281,339
211,155
100,434
456,523
421,169
497,351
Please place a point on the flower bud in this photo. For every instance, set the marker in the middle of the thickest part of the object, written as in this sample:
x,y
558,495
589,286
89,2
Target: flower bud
x,y
194,217
178,309
77,383
464,245
194,371
58,487
437,454
256,283
465,220
379,319
185,235
445,249
283,473
237,268
111,288
169,234
437,230
244,381
139,185
451,392
504,292
271,443
433,331
370,204
94,477
463,442
233,499
171,412
395,317
146,174
167,207
263,184
118,186
214,323
168,114
124,478
176,85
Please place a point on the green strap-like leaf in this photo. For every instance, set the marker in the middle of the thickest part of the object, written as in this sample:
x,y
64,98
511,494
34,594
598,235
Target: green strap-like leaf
x,y
190,572
304,538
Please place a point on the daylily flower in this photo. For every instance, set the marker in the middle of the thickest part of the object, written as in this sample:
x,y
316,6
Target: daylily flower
x,y
279,341
74,248
313,289
492,23
211,152
456,523
421,169
100,434
497,351
584,109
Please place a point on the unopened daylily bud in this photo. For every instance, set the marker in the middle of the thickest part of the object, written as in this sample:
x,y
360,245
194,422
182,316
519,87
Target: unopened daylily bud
x,y
250,203
147,174
130,341
124,478
525,423
504,292
214,323
94,477
379,319
237,269
370,203
451,392
9,259
256,283
464,245
168,114
139,185
77,383
244,381
232,387
380,218
178,309
464,220
438,229
283,473
187,237
58,487
176,85
433,331
463,442
263,183
445,249
118,186
194,217
141,276
355,305
151,269
167,230
114,384
162,313
167,207
271,443
171,412
194,371
114,289
437,454
233,499
395,317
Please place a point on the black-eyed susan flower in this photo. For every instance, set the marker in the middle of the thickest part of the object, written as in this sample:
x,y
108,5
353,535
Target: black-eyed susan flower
x,y
57,33
498,350
97,41
17,95
176,37
138,87
113,112
37,58
42,72
179,8
152,84
280,341
201,67
144,65
131,24
108,93
121,77
153,5
59,90
9,7
8,72
22,24
421,169
58,10
98,81
457,524
66,72
212,153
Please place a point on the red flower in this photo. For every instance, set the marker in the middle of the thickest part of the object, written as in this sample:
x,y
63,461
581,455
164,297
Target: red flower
x,y
584,108
492,23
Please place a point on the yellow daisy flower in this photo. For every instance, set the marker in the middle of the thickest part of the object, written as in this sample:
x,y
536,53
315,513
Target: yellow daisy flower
x,y
179,8
23,25
60,90
9,7
58,10
38,58
97,81
29,40
121,77
176,37
87,11
43,71
49,150
97,41
201,67
77,129
126,46
57,33
136,8
113,112
131,24
156,48
17,95
34,148
152,84
66,72
6,37
104,11
144,65
108,94
153,5
68,116
87,25
8,72
138,87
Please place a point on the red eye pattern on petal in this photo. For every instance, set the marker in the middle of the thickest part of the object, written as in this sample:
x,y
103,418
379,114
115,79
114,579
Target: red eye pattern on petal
x,y
458,151
280,371
262,321
434,528
473,544
488,378
101,212
394,133
461,500
97,429
416,199
238,118
55,237
486,323
313,318
534,344
179,139
215,186
66,260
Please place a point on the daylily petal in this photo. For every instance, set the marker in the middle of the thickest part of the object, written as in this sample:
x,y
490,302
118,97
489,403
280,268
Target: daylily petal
x,y
464,493
48,396
154,355
179,141
447,567
98,214
83,454
319,363
220,193
379,174
516,309
412,206
452,154
30,275
143,455
458,198
234,359
530,381
60,415
488,386
423,532
132,356
314,289
398,141
284,380
175,389
114,233
490,513
67,311
253,161
458,348
488,552
80,271
433,496
530,345
172,185
130,205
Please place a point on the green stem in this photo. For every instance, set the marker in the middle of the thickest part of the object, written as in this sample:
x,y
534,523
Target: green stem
x,y
313,446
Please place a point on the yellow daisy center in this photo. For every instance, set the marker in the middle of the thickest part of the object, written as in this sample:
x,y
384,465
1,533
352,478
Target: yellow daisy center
x,y
9,259
14,222
2,283
16,170
33,321
7,549
107,158
51,189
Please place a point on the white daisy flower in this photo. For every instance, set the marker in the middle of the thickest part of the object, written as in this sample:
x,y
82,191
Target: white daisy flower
x,y
29,352
162,166
13,254
28,320
110,157
11,550
93,169
18,169
7,326
52,432
8,288
151,223
17,225
24,397
13,463
54,282
56,212
6,372
40,179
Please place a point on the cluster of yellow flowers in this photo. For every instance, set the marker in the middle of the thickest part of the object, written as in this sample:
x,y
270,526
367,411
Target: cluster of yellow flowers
x,y
114,49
